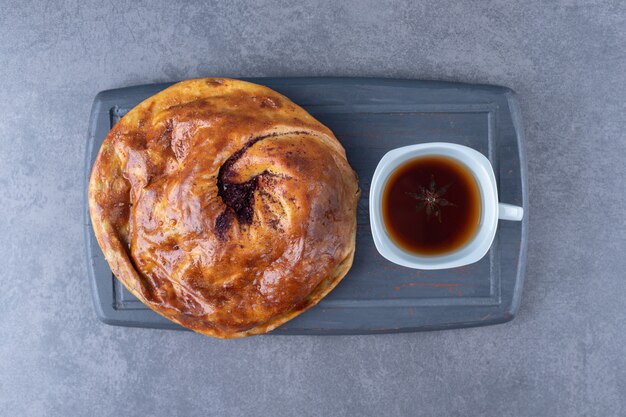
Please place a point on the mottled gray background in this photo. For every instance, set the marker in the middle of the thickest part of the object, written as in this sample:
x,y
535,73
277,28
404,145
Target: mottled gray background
x,y
564,355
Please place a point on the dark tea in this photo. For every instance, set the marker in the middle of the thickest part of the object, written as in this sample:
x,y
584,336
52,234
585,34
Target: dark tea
x,y
431,205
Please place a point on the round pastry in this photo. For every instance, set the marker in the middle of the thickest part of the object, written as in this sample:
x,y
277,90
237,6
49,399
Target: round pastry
x,y
224,207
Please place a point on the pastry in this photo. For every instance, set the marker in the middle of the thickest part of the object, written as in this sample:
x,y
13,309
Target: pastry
x,y
224,206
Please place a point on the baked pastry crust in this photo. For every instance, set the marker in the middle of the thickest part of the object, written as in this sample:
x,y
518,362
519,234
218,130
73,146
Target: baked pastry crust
x,y
224,207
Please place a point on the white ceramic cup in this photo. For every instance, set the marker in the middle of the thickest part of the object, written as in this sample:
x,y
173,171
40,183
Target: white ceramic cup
x,y
491,209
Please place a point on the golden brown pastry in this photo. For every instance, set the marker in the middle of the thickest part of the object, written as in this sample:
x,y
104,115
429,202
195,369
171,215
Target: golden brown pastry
x,y
224,207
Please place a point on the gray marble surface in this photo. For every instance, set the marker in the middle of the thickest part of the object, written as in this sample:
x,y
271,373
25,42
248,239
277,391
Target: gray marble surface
x,y
564,355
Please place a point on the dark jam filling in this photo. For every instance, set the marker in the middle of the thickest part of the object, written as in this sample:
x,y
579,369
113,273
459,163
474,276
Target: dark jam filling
x,y
238,197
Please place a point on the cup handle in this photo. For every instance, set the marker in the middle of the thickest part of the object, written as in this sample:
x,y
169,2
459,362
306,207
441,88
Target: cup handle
x,y
510,212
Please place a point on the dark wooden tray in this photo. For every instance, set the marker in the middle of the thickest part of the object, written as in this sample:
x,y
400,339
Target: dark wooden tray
x,y
370,117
